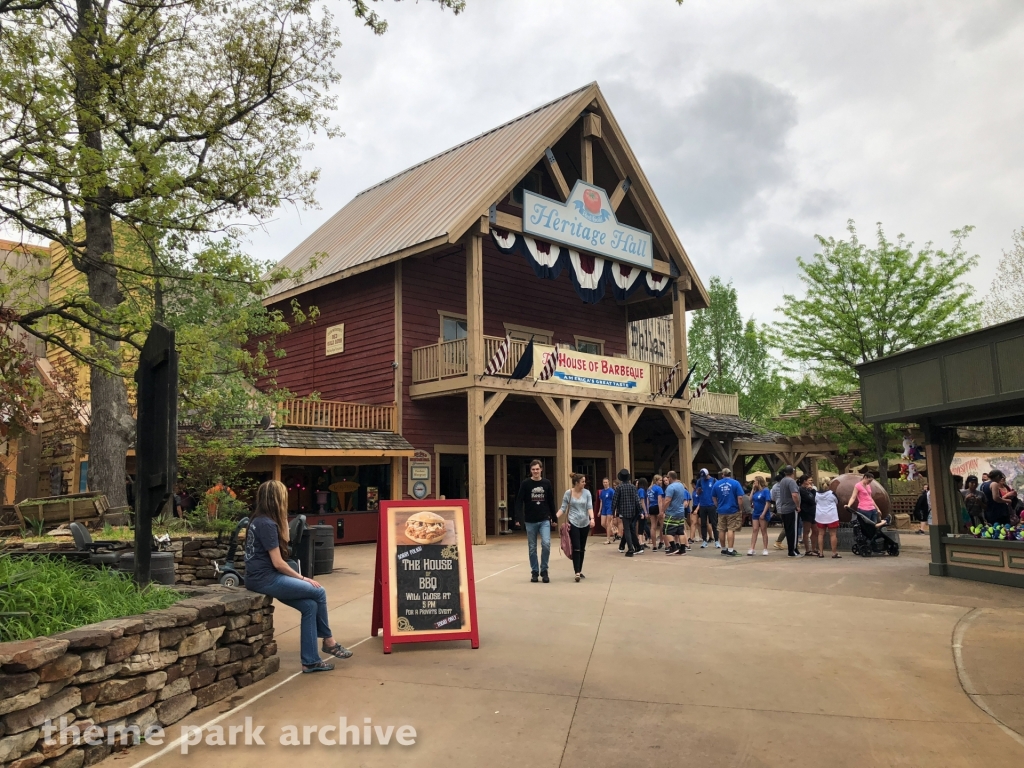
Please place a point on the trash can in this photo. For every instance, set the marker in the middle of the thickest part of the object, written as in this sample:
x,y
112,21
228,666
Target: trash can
x,y
161,566
323,549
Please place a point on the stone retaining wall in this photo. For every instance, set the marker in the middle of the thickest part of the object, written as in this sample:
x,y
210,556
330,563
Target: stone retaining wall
x,y
194,556
136,671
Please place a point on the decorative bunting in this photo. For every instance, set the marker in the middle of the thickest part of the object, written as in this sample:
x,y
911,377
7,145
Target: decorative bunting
x,y
545,258
624,279
703,386
679,392
657,285
500,356
549,366
587,276
505,240
587,272
525,364
665,387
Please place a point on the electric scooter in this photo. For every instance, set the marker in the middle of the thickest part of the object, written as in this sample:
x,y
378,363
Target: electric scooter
x,y
226,573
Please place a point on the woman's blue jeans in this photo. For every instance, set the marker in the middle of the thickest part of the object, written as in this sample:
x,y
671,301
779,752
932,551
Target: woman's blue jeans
x,y
308,600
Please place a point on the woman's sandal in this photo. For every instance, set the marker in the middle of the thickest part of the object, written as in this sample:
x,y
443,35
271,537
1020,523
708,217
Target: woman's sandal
x,y
320,666
836,556
820,555
337,651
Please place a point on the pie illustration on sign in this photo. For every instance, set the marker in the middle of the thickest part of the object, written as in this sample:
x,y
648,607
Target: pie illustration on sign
x,y
592,201
425,528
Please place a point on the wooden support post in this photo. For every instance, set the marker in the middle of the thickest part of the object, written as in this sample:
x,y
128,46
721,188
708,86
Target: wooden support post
x,y
475,410
501,501
814,470
475,305
619,194
558,412
587,156
477,470
621,418
492,404
681,355
556,173
399,348
396,478
277,468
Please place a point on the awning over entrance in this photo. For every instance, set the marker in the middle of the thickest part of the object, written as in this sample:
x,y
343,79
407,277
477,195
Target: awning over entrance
x,y
298,442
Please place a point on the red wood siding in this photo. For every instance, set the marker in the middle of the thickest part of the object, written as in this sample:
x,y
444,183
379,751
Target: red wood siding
x,y
512,294
362,373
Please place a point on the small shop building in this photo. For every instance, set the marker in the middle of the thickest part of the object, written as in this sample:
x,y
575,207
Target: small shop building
x,y
486,295
973,380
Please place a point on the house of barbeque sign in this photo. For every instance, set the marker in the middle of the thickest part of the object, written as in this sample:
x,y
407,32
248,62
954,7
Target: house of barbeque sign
x,y
586,221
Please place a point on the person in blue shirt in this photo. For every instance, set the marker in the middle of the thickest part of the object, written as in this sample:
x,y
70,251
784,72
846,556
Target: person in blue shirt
x,y
760,512
677,502
607,521
706,509
654,496
728,497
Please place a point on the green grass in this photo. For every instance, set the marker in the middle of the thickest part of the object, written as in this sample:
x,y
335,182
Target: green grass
x,y
39,596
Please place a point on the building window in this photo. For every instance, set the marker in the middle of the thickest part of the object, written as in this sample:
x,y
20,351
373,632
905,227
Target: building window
x,y
533,181
453,326
589,346
525,333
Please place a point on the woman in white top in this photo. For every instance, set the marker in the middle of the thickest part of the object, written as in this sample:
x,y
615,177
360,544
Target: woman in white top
x,y
826,517
580,506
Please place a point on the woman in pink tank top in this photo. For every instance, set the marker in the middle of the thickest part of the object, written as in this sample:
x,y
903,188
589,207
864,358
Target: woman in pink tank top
x,y
861,499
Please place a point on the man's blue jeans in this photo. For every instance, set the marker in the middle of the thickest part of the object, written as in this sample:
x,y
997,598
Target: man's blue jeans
x,y
308,600
544,529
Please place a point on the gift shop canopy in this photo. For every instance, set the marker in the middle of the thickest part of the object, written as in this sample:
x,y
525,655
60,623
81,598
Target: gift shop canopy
x,y
976,379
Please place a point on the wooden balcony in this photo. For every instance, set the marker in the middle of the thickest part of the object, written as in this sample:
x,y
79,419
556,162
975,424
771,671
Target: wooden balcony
x,y
447,360
333,414
716,403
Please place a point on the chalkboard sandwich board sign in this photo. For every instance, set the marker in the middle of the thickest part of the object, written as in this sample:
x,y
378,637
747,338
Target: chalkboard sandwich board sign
x,y
423,588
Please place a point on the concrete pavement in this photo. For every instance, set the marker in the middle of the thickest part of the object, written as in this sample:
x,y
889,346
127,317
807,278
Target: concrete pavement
x,y
702,660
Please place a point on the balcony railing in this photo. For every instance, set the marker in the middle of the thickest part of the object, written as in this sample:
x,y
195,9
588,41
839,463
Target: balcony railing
x,y
716,403
447,360
332,414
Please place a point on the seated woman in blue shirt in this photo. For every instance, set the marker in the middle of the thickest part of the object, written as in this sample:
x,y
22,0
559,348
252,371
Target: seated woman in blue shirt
x,y
267,572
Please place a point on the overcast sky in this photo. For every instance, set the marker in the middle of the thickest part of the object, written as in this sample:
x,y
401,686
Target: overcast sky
x,y
760,124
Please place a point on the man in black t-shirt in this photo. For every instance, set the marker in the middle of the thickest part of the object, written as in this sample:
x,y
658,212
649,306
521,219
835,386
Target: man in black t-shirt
x,y
535,506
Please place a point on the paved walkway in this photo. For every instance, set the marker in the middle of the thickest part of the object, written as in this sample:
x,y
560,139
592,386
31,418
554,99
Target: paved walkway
x,y
657,661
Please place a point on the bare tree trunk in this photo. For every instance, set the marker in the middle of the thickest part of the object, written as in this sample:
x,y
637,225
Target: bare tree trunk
x,y
111,425
881,446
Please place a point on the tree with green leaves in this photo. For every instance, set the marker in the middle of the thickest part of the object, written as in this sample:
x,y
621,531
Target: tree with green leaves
x,y
137,136
1005,299
738,354
863,303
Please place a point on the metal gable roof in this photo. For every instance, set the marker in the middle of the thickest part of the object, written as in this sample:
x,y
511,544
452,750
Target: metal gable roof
x,y
422,203
433,203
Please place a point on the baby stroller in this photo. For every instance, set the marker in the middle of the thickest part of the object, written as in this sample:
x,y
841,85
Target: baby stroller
x,y
869,540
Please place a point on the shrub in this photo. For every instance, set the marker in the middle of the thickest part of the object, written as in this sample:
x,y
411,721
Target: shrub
x,y
40,596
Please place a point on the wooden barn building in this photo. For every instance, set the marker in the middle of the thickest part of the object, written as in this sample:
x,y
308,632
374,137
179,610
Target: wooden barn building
x,y
432,285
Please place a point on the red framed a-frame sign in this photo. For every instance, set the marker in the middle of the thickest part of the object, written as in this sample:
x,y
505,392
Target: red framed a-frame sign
x,y
424,588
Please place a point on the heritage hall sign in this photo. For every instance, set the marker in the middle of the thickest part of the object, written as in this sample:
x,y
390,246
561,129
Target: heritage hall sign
x,y
586,221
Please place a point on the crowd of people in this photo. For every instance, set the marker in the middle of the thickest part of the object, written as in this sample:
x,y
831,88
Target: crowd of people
x,y
665,516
